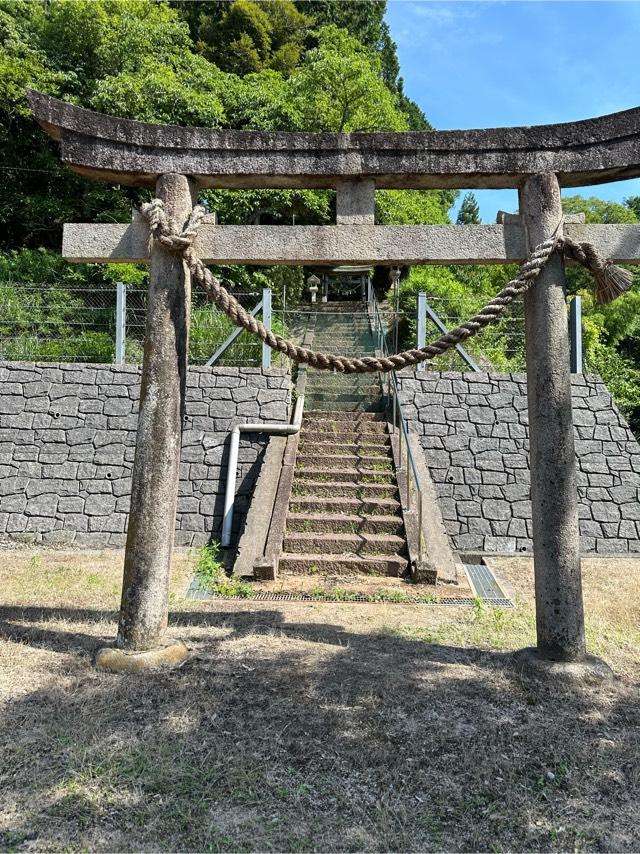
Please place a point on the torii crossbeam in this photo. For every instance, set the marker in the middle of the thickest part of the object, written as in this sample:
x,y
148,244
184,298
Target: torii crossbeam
x,y
177,161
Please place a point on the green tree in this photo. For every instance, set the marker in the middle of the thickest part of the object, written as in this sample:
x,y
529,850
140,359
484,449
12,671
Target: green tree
x,y
611,333
633,203
469,213
250,36
240,41
338,87
597,210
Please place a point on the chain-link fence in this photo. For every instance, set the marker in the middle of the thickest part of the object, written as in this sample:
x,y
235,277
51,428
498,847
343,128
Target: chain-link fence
x,y
47,323
499,347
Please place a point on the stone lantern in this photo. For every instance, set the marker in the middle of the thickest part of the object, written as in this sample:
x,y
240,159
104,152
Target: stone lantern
x,y
312,283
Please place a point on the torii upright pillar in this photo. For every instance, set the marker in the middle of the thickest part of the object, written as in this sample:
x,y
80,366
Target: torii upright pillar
x,y
154,486
554,491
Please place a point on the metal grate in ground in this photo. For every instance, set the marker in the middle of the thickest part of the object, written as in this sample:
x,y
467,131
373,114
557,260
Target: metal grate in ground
x,y
483,582
196,592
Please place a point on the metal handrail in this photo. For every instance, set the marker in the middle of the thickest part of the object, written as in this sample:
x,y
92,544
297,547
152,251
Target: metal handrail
x,y
399,423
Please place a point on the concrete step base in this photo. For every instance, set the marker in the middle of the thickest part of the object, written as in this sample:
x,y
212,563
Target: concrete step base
x,y
346,564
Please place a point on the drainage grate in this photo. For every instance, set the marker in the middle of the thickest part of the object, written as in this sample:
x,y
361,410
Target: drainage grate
x,y
483,582
195,592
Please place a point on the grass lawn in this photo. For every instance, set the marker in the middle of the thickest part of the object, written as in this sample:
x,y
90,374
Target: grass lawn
x,y
311,726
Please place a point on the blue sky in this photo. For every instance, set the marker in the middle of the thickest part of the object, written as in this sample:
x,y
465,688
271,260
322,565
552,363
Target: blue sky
x,y
491,64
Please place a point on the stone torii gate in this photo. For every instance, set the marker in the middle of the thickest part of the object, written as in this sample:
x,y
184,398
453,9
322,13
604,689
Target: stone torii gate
x,y
179,161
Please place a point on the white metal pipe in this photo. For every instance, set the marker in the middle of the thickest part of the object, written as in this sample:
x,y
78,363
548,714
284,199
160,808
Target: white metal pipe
x,y
230,490
266,320
121,321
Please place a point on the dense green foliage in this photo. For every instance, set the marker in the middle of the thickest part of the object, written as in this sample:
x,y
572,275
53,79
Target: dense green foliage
x,y
318,65
611,334
272,65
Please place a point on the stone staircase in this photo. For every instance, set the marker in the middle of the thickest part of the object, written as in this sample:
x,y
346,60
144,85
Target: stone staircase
x,y
344,515
342,328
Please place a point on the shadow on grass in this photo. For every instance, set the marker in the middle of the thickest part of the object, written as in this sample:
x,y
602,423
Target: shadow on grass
x,y
282,735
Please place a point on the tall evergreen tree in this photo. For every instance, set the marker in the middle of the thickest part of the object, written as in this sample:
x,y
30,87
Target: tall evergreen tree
x,y
469,213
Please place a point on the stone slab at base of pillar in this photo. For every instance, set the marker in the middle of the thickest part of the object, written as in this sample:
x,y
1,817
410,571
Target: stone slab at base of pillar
x,y
114,660
590,671
265,568
424,572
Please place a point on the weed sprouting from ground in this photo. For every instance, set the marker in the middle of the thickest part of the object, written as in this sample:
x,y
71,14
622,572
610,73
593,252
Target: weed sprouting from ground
x,y
211,576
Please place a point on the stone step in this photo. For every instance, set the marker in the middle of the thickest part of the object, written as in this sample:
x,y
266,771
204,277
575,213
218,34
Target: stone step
x,y
340,397
305,542
348,338
329,437
351,407
339,305
356,343
306,460
346,475
349,349
344,337
358,449
331,523
343,334
346,489
341,386
346,506
342,325
315,418
347,564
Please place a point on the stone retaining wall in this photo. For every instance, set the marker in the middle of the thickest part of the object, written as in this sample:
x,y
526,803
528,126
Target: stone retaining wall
x,y
474,431
67,442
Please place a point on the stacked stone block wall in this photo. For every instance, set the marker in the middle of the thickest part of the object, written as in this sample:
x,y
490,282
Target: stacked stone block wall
x,y
474,431
67,443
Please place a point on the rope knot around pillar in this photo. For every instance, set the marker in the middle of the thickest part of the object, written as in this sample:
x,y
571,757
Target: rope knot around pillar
x,y
610,282
160,230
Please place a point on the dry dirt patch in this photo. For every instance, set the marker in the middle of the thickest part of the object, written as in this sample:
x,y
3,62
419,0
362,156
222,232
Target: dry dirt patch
x,y
304,726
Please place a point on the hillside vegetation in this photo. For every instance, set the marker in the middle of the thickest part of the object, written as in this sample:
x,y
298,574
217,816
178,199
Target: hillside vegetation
x,y
270,65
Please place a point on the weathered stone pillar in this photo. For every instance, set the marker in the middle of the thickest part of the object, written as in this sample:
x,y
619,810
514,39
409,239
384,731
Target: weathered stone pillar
x,y
554,496
154,488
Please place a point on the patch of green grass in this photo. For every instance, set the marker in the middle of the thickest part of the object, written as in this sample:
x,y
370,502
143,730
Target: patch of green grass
x,y
211,576
483,627
381,466
339,594
333,594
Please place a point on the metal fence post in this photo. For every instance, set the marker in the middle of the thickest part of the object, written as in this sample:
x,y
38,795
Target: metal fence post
x,y
121,322
421,325
575,334
266,319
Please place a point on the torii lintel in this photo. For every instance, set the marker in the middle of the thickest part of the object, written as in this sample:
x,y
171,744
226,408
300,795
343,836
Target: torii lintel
x,y
124,151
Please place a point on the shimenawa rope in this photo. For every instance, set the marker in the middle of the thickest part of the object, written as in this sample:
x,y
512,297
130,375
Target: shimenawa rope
x,y
610,282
